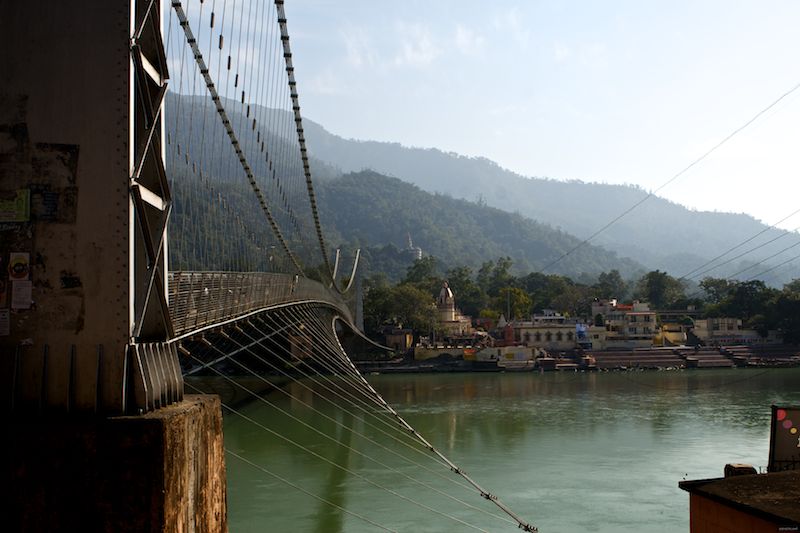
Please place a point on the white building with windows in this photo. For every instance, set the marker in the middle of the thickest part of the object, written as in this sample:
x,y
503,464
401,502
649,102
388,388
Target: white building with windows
x,y
627,326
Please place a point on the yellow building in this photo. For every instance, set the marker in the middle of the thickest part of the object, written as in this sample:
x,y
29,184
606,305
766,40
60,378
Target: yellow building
x,y
550,330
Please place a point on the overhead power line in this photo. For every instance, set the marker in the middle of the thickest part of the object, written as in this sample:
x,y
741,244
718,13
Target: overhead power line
x,y
734,258
676,176
723,254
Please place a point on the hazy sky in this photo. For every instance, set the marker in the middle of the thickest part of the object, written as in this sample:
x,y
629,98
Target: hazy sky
x,y
614,91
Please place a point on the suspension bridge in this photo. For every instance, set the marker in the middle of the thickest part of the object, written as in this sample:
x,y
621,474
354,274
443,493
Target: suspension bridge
x,y
159,222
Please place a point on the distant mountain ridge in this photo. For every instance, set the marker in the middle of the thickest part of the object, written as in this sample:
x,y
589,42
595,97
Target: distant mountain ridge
x,y
663,235
659,234
365,209
370,210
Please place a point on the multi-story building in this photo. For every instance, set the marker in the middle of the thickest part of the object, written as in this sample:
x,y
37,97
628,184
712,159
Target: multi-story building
x,y
626,326
549,330
726,331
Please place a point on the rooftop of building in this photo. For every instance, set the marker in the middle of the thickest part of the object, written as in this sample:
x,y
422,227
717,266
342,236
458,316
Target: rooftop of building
x,y
774,496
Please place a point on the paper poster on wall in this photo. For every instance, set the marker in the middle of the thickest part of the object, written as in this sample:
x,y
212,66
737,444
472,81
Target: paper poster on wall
x,y
19,266
5,322
21,294
15,206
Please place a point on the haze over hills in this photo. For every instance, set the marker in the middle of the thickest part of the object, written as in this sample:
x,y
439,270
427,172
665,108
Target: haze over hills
x,y
534,221
659,234
371,210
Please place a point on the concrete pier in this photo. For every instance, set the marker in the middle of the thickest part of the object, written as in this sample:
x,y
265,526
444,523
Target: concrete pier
x,y
159,472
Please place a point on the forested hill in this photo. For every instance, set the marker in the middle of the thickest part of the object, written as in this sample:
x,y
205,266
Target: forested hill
x,y
371,210
365,210
659,234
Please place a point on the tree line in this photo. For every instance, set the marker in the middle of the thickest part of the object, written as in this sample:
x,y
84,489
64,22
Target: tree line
x,y
493,290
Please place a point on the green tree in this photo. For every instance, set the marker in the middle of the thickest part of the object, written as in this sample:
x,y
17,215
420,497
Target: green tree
x,y
787,313
424,274
469,296
413,308
402,305
793,287
610,285
422,270
748,298
659,289
716,289
545,290
495,275
377,303
573,300
514,299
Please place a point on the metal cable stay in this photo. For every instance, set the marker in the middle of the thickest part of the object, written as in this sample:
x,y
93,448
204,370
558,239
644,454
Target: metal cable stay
x,y
332,359
263,400
365,407
308,320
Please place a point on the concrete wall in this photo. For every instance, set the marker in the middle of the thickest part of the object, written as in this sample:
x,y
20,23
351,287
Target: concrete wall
x,y
159,472
65,140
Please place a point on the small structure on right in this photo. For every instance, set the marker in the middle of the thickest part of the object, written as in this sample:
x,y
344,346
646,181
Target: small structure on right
x,y
746,502
755,503
727,330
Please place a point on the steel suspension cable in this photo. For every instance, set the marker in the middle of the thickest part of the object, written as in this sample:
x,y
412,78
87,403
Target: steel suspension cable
x,y
525,526
287,54
357,403
346,470
215,97
365,405
313,429
332,403
297,487
483,493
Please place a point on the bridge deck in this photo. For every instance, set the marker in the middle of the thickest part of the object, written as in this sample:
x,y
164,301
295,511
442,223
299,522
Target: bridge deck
x,y
202,299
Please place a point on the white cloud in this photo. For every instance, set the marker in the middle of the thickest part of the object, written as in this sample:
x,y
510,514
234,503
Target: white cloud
x,y
417,48
561,52
595,56
326,82
359,46
510,22
469,42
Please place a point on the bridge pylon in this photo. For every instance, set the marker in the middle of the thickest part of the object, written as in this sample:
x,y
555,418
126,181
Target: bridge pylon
x,y
84,205
84,317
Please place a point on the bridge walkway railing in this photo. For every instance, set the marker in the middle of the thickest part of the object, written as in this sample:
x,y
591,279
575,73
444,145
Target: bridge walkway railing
x,y
202,299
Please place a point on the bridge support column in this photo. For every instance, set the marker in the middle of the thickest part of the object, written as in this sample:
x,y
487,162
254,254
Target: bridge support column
x,y
84,318
160,472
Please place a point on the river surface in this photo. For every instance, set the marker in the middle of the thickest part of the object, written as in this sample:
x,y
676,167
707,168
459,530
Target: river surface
x,y
568,452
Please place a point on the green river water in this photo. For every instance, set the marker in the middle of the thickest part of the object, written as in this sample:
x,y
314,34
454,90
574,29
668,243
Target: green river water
x,y
569,452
